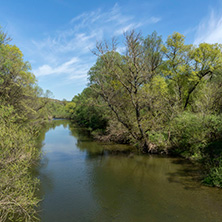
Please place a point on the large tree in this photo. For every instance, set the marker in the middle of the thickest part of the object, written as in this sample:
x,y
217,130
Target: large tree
x,y
121,79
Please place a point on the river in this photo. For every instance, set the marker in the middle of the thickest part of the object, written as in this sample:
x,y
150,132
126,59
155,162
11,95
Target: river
x,y
80,182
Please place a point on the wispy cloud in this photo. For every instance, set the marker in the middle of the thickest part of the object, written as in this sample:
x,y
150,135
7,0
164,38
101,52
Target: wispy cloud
x,y
154,20
122,30
67,52
210,29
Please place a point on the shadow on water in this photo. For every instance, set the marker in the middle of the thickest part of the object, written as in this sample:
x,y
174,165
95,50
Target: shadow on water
x,y
94,148
189,174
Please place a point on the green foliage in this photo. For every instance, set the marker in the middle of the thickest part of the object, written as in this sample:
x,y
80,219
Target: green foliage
x,y
122,81
17,156
191,133
57,109
70,109
85,112
214,177
159,139
159,96
18,86
22,110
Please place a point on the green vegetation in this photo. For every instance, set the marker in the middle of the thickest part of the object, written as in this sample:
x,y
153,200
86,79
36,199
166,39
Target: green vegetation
x,y
24,107
88,111
18,155
21,109
56,109
161,97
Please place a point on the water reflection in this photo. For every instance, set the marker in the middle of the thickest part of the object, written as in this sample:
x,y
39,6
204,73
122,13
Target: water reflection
x,y
82,181
189,175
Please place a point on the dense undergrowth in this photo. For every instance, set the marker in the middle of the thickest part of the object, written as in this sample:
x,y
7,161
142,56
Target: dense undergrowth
x,y
19,153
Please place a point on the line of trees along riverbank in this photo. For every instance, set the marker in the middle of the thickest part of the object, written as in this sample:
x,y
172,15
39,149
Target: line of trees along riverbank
x,y
24,108
161,97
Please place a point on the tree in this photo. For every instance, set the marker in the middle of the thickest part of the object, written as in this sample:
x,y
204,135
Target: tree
x,y
187,66
206,63
18,86
120,79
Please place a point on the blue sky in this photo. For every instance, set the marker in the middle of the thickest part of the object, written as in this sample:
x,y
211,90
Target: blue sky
x,y
57,36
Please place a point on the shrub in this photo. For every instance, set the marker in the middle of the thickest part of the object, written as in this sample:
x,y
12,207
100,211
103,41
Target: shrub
x,y
214,177
191,133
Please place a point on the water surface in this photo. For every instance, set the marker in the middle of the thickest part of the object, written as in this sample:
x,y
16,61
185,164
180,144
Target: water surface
x,y
82,182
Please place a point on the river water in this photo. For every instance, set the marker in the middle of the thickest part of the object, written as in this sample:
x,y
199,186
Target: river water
x,y
80,182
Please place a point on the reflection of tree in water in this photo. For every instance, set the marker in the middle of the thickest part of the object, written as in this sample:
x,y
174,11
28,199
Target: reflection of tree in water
x,y
94,148
85,143
129,187
48,126
123,187
41,137
79,133
138,189
43,162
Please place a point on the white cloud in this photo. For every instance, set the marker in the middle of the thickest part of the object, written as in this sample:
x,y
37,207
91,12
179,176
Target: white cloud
x,y
67,67
209,29
43,70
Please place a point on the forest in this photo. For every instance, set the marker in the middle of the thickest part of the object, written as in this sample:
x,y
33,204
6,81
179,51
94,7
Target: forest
x,y
161,97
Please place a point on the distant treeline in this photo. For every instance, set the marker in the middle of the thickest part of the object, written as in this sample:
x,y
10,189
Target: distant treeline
x,y
163,97
24,108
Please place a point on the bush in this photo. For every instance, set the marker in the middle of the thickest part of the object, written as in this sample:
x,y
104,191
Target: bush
x,y
214,177
191,133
